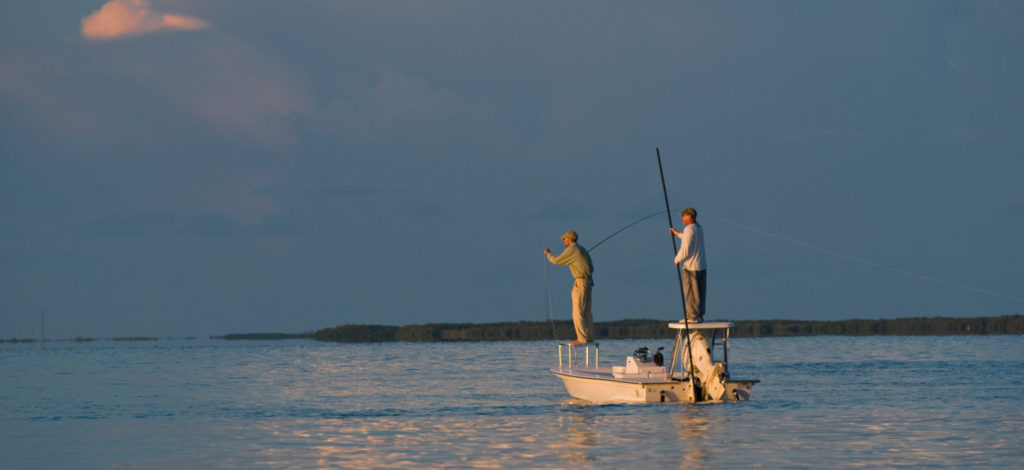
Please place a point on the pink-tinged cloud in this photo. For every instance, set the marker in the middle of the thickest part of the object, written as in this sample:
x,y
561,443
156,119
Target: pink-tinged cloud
x,y
119,18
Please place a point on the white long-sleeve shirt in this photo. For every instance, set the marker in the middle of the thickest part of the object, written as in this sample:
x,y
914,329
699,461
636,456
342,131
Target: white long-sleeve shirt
x,y
691,248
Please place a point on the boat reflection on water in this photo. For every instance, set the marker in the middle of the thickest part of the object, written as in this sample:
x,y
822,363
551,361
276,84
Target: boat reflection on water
x,y
581,437
693,431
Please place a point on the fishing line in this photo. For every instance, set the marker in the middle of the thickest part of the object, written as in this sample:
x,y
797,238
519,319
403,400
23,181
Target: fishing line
x,y
826,251
547,288
864,261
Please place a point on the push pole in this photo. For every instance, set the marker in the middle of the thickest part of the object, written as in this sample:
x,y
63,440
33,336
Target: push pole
x,y
697,393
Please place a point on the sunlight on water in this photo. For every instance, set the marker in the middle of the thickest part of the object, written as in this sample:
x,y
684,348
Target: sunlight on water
x,y
823,401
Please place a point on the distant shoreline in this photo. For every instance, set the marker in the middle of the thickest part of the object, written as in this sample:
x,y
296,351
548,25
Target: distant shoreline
x,y
646,328
618,329
87,339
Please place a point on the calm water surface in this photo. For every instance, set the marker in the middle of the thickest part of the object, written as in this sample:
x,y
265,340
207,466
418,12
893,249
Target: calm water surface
x,y
823,402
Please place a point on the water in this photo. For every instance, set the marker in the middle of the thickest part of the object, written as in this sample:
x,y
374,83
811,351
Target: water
x,y
823,402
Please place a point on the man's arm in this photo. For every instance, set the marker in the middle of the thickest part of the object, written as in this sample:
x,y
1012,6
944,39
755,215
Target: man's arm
x,y
685,237
565,258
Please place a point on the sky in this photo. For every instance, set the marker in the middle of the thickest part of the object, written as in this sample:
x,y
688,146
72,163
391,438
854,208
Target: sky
x,y
185,167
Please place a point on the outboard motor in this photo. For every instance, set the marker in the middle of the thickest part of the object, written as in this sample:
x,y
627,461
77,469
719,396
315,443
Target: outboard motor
x,y
642,354
659,359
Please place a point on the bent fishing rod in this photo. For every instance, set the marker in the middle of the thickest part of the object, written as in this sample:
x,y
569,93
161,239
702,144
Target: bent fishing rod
x,y
624,228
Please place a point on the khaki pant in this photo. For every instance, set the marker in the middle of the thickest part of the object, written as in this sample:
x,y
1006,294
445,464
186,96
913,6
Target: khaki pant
x,y
695,289
582,317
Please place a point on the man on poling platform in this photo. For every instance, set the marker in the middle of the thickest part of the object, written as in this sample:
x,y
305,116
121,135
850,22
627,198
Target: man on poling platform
x,y
694,265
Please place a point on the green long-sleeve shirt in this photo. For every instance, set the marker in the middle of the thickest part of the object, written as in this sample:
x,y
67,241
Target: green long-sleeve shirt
x,y
578,260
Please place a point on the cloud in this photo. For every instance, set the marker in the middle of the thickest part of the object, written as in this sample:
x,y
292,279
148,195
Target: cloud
x,y
38,85
232,86
119,18
223,84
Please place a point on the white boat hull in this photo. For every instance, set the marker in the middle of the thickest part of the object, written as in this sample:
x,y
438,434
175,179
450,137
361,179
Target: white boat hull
x,y
598,386
611,390
645,379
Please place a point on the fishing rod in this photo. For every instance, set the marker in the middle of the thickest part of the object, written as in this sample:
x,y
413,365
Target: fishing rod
x,y
547,284
694,381
624,228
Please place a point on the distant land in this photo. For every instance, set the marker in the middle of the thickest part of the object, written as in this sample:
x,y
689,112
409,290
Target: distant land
x,y
84,339
621,329
308,335
646,328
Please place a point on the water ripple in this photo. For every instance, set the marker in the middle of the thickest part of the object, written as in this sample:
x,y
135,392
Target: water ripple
x,y
842,402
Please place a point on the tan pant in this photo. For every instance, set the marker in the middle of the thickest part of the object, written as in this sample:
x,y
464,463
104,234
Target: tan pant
x,y
582,317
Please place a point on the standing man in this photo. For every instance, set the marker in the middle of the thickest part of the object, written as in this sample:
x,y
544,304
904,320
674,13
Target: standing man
x,y
582,269
691,255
